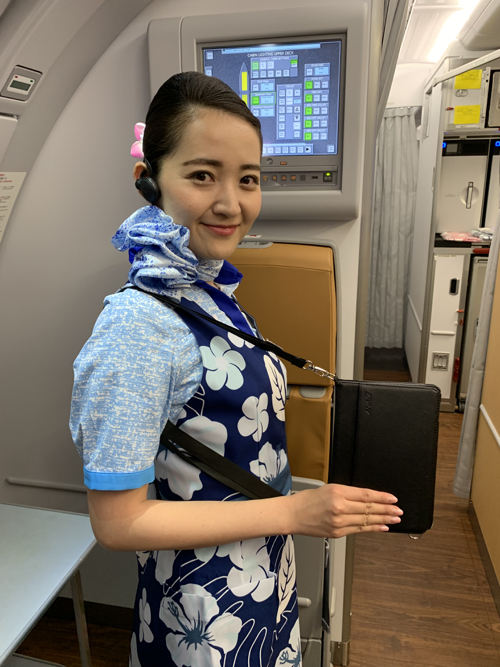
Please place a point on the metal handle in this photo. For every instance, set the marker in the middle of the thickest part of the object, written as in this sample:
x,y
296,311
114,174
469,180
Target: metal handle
x,y
304,602
470,191
309,366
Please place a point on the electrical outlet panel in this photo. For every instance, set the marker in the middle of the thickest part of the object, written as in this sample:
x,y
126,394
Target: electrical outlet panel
x,y
440,361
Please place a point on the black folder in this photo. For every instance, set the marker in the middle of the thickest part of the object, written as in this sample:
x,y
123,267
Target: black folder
x,y
385,438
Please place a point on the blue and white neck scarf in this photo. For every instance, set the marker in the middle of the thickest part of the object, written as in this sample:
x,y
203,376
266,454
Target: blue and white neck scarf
x,y
158,249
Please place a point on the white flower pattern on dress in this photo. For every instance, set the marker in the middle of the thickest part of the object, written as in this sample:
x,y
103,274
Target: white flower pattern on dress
x,y
223,364
142,557
278,387
207,553
286,576
256,419
199,637
145,633
270,464
251,572
164,565
239,342
182,415
184,478
133,660
291,656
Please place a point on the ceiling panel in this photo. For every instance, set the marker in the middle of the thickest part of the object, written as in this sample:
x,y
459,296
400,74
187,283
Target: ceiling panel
x,y
482,32
427,19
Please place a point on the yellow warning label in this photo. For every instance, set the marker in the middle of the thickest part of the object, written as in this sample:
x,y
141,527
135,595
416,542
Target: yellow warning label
x,y
244,81
469,80
467,114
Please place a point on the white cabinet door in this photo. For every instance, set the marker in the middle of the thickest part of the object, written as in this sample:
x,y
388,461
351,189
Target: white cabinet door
x,y
445,320
461,192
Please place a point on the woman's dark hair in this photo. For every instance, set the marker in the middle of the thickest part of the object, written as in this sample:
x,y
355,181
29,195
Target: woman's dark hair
x,y
176,104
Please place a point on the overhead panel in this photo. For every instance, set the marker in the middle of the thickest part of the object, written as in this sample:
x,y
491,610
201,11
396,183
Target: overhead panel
x,y
482,30
426,22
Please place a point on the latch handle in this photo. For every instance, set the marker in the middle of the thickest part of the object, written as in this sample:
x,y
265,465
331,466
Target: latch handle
x,y
470,192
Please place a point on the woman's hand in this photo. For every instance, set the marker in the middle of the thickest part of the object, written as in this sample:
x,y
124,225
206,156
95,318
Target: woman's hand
x,y
335,510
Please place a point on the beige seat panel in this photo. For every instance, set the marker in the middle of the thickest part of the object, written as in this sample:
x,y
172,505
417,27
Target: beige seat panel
x,y
308,425
290,290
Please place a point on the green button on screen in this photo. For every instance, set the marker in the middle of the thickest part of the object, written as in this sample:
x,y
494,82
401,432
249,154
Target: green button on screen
x,y
309,85
308,123
308,111
309,98
255,99
308,136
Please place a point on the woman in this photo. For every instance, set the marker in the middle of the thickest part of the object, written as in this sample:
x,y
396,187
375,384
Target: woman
x,y
216,579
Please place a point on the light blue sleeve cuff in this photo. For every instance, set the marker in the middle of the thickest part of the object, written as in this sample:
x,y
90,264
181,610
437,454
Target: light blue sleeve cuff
x,y
118,481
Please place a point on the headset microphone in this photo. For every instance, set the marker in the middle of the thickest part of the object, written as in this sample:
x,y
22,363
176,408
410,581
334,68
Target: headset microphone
x,y
147,185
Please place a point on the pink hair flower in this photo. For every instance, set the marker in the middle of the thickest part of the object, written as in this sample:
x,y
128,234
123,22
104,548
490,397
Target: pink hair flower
x,y
136,150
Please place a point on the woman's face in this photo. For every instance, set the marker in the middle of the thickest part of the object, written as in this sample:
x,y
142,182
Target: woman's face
x,y
211,184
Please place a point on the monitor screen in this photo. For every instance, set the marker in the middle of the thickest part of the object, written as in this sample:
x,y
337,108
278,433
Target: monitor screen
x,y
292,87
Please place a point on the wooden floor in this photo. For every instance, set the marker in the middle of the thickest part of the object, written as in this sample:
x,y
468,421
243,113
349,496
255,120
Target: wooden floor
x,y
422,603
55,640
426,603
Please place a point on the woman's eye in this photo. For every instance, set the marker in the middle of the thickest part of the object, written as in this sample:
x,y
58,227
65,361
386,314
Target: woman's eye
x,y
202,176
250,180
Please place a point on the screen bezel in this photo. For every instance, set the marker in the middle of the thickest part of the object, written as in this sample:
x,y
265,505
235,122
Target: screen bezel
x,y
303,161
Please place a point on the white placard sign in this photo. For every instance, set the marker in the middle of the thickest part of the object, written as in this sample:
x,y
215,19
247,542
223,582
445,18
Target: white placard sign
x,y
10,184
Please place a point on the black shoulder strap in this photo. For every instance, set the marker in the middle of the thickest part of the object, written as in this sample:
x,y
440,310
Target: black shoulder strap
x,y
215,465
265,345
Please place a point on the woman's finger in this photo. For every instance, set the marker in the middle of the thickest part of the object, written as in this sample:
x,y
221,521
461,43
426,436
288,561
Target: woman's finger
x,y
371,528
352,530
367,520
367,495
353,507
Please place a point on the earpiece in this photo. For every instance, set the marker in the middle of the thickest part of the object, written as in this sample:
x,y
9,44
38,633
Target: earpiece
x,y
147,185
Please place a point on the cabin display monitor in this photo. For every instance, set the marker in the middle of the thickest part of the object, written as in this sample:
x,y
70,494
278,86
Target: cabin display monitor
x,y
295,88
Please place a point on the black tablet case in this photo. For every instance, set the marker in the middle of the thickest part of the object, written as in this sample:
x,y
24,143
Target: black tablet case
x,y
385,438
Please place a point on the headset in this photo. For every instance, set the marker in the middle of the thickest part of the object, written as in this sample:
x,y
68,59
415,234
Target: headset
x,y
147,185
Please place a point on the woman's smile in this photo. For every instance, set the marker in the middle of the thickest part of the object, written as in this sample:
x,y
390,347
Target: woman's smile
x,y
220,230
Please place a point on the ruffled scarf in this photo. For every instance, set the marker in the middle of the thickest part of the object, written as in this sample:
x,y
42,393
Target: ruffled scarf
x,y
158,249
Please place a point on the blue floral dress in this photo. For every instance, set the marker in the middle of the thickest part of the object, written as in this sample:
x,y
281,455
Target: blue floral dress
x,y
233,605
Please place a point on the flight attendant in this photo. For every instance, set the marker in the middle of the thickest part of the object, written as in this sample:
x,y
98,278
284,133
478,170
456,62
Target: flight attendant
x,y
216,571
